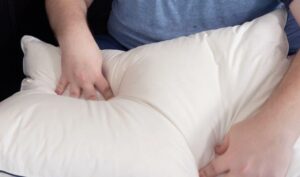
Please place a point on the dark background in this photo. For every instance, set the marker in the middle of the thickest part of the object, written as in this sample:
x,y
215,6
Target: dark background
x,y
20,17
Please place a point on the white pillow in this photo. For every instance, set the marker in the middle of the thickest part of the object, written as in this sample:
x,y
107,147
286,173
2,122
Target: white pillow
x,y
174,101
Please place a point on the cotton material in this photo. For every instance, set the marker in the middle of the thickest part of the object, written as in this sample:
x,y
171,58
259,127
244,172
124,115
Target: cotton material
x,y
174,101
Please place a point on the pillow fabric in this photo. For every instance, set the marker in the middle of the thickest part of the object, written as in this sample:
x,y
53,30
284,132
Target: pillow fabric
x,y
3,174
174,100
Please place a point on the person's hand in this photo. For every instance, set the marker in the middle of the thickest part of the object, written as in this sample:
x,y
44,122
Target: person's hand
x,y
82,71
252,148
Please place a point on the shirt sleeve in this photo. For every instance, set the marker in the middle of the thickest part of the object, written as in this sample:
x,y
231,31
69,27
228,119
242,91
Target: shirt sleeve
x,y
287,3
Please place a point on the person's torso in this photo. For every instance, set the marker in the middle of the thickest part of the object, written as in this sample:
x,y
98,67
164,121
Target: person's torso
x,y
138,22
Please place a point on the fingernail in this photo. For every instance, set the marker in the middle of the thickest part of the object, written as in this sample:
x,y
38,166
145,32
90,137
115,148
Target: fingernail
x,y
57,92
92,98
109,94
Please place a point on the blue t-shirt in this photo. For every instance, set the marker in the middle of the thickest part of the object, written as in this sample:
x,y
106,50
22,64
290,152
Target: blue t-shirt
x,y
138,22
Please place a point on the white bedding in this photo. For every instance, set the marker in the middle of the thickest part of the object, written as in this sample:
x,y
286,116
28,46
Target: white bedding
x,y
4,175
174,101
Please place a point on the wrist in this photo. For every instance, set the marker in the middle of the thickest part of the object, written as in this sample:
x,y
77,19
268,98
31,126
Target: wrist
x,y
78,41
76,34
276,127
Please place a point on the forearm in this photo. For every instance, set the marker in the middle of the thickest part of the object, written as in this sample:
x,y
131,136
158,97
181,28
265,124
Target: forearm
x,y
68,20
282,110
295,8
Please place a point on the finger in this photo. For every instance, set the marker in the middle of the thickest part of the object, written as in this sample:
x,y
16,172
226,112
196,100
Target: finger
x,y
89,92
231,175
61,86
222,148
104,88
74,91
215,168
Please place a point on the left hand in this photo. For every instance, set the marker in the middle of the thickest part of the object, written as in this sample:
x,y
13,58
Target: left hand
x,y
252,148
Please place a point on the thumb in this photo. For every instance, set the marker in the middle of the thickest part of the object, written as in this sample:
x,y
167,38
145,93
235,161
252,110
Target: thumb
x,y
103,86
222,148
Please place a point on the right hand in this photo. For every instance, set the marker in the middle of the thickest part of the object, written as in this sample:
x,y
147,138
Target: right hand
x,y
82,71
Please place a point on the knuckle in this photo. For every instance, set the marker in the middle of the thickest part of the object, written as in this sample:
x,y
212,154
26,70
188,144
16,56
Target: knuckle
x,y
102,82
74,93
81,77
86,87
92,97
60,86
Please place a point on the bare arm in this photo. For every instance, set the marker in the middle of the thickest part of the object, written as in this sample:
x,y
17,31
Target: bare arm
x,y
285,101
81,57
263,144
68,17
295,9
